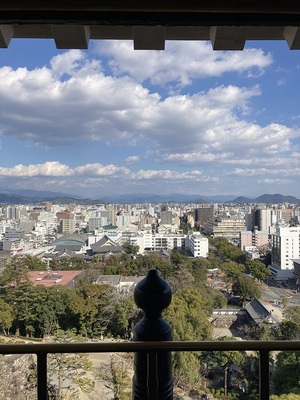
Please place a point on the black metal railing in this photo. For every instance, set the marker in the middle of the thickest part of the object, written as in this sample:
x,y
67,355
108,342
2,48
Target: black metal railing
x,y
151,350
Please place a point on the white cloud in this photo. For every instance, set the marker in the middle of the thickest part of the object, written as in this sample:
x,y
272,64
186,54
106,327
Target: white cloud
x,y
281,82
66,63
38,108
207,136
180,63
272,182
170,175
51,168
265,171
99,169
132,159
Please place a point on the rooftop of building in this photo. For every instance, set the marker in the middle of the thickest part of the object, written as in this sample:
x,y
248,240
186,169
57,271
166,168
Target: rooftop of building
x,y
52,278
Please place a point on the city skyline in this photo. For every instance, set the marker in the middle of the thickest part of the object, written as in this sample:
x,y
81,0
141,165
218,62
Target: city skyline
x,y
184,120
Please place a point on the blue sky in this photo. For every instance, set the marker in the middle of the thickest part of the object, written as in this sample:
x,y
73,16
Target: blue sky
x,y
185,120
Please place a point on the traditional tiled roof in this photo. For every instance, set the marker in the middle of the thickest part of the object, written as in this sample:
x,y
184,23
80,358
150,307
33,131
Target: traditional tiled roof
x,y
259,313
106,245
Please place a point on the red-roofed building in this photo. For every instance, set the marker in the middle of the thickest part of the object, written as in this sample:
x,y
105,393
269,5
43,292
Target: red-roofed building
x,y
51,278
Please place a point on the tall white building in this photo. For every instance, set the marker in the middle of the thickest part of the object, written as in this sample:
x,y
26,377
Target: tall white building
x,y
285,247
266,218
197,244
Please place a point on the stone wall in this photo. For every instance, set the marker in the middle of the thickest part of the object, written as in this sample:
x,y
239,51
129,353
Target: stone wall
x,y
17,378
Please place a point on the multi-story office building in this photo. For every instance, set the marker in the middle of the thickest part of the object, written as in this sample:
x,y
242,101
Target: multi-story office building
x,y
202,214
265,218
14,233
96,223
256,238
287,214
166,217
67,226
148,241
285,247
225,226
12,212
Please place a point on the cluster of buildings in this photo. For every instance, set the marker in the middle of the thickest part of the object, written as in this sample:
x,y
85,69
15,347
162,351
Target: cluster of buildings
x,y
256,228
54,231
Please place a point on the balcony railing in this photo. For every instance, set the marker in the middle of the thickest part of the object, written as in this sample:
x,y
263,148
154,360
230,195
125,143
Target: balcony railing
x,y
151,349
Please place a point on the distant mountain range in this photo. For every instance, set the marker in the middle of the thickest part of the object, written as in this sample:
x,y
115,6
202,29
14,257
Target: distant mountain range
x,y
168,198
268,199
37,197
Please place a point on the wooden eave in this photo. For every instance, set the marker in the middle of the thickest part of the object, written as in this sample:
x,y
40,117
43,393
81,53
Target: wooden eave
x,y
227,24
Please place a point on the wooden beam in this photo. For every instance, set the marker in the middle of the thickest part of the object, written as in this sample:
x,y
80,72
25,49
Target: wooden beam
x,y
227,6
149,37
6,33
292,36
227,38
71,36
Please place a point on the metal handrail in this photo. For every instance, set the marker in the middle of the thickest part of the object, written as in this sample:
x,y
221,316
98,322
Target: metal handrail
x,y
42,349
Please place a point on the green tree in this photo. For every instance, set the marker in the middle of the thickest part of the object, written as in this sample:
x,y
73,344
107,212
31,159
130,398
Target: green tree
x,y
228,251
15,274
245,288
285,302
78,263
6,316
124,314
258,269
188,316
287,374
19,297
293,314
290,396
219,299
232,269
116,377
96,307
287,330
130,248
224,359
250,378
34,263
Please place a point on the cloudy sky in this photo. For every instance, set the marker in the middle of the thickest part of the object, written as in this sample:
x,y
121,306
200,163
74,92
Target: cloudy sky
x,y
185,120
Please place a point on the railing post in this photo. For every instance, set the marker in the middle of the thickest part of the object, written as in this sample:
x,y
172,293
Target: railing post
x,y
264,374
42,392
152,370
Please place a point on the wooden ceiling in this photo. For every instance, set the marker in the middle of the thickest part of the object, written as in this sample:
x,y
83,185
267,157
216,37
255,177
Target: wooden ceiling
x,y
227,24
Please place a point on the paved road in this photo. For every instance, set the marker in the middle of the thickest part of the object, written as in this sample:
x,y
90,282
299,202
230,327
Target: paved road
x,y
274,292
